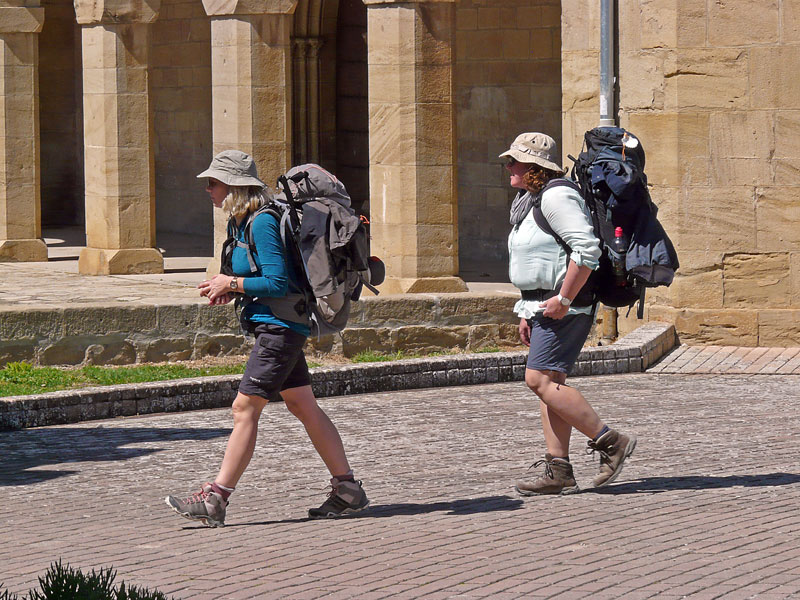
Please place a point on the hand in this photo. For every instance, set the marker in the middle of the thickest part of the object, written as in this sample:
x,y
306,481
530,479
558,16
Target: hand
x,y
525,332
554,309
224,299
215,287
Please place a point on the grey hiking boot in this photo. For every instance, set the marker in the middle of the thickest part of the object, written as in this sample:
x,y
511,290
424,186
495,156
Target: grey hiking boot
x,y
613,447
206,505
346,497
556,479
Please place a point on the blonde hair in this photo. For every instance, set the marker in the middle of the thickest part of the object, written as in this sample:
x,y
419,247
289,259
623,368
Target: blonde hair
x,y
243,199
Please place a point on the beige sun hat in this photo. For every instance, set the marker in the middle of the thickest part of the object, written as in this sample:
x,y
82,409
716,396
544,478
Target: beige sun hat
x,y
535,148
233,167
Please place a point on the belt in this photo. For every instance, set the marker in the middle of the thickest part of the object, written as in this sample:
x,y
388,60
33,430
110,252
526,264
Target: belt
x,y
538,295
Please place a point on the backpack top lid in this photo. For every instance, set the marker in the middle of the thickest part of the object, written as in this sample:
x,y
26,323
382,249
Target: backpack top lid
x,y
320,183
618,139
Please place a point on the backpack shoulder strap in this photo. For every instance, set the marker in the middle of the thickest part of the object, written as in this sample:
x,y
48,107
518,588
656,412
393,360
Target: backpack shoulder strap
x,y
539,217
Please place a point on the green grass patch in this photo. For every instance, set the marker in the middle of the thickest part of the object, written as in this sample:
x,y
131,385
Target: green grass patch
x,y
21,378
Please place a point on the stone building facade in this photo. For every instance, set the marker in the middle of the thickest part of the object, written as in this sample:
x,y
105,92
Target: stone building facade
x,y
108,108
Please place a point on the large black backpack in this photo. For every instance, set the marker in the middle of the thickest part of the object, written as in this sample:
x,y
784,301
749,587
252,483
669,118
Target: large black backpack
x,y
609,174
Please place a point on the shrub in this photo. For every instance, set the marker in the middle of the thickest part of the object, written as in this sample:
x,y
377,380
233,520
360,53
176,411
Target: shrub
x,y
62,582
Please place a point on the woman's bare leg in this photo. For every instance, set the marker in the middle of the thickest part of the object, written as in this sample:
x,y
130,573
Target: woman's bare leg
x,y
323,433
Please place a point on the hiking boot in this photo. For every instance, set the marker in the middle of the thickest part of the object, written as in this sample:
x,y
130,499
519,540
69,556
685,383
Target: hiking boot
x,y
206,505
346,498
614,447
556,479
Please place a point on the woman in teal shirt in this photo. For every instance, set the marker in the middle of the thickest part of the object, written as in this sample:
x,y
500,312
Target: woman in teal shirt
x,y
550,325
277,363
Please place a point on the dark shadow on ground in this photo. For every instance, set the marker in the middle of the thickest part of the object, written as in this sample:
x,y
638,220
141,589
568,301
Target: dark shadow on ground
x,y
21,451
697,482
454,507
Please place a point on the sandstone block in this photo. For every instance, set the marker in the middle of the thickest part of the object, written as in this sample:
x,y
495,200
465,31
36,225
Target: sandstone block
x,y
580,26
794,266
166,349
17,350
248,7
581,93
757,280
76,322
707,78
773,82
642,83
91,12
359,340
778,218
718,217
741,134
110,352
22,250
708,326
787,134
430,339
218,345
778,328
733,23
130,261
423,285
66,351
21,19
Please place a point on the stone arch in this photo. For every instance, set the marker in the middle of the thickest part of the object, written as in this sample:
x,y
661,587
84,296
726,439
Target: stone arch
x,y
330,121
61,117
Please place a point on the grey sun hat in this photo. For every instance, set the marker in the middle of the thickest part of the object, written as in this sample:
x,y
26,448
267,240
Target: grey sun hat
x,y
535,148
233,167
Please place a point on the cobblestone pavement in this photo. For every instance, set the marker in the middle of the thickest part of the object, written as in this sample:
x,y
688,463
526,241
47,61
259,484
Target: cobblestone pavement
x,y
708,507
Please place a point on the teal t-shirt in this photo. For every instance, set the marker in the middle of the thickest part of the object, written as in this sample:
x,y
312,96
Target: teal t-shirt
x,y
275,276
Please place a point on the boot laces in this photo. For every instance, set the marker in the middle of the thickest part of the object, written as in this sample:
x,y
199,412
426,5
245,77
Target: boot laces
x,y
548,469
592,447
195,498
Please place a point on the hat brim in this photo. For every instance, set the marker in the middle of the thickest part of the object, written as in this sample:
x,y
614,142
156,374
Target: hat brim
x,y
529,159
229,179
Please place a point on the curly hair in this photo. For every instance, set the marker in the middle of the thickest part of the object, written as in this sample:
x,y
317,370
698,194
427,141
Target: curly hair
x,y
537,177
242,199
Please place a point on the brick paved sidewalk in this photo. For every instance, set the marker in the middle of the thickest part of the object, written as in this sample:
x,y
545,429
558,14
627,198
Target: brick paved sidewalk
x,y
708,507
730,359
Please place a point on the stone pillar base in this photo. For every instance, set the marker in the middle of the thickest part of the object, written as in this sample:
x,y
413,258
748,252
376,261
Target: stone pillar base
x,y
422,285
127,261
23,251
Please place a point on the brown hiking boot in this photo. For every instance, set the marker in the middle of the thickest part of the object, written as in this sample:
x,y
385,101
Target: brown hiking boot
x,y
556,479
614,447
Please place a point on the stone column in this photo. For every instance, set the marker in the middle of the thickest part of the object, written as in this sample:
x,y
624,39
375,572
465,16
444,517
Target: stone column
x,y
118,150
251,88
413,203
20,200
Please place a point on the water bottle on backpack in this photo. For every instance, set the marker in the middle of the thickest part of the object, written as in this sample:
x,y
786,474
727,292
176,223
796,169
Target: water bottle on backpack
x,y
619,248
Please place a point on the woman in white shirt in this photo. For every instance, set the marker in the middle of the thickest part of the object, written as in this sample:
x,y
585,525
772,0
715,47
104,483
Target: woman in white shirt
x,y
556,312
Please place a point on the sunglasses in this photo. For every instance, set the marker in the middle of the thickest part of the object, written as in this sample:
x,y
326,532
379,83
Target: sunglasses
x,y
511,161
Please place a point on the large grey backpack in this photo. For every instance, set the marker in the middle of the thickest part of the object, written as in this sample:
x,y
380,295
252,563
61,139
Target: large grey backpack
x,y
326,240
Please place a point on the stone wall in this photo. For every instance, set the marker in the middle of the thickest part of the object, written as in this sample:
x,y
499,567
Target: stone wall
x,y
711,90
508,80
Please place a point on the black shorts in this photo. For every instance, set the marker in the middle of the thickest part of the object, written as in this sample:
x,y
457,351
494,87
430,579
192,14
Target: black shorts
x,y
276,363
556,343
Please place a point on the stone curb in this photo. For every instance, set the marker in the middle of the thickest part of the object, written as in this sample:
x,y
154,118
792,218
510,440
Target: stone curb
x,y
633,353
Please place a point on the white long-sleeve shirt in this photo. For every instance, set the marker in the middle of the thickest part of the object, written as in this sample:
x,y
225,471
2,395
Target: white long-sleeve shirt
x,y
537,261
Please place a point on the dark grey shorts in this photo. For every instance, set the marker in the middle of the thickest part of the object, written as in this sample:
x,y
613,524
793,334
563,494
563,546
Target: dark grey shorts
x,y
556,343
276,363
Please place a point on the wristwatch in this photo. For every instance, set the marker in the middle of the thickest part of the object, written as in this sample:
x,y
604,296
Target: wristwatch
x,y
564,301
235,283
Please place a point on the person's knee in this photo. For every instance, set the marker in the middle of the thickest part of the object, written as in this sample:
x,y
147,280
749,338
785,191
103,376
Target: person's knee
x,y
247,408
537,381
300,402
